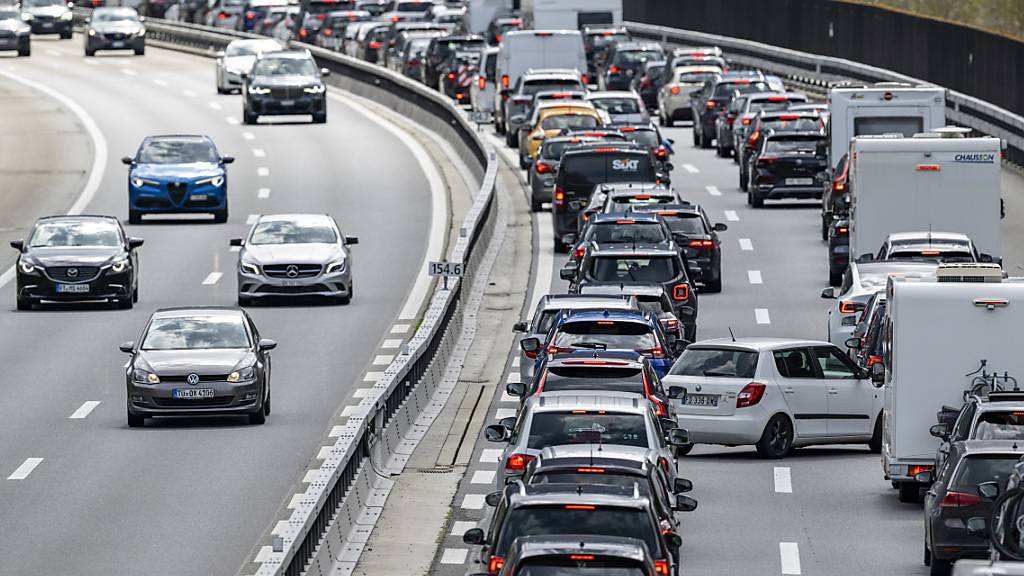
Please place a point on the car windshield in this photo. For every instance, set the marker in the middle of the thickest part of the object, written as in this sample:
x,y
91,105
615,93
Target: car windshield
x,y
249,48
531,88
617,105
1000,425
768,105
114,16
187,151
720,362
605,335
75,233
575,567
648,138
937,256
790,146
204,332
651,270
978,468
596,378
571,121
292,232
621,204
688,224
39,3
284,67
628,232
416,6
725,90
595,520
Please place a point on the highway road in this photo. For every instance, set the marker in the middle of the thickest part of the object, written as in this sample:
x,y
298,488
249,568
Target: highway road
x,y
82,494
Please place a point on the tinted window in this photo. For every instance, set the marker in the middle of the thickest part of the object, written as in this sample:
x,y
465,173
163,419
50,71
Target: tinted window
x,y
531,88
617,105
695,77
656,269
685,223
8,14
647,138
767,105
553,150
931,256
571,121
569,567
974,470
637,233
622,204
178,152
595,378
284,67
635,57
600,521
70,234
38,3
790,146
716,362
559,429
250,49
725,90
196,333
794,124
586,171
833,364
610,336
907,126
795,363
547,319
292,232
1000,425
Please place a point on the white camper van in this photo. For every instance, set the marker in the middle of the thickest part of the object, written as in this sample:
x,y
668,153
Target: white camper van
x,y
924,183
940,336
570,14
882,108
522,50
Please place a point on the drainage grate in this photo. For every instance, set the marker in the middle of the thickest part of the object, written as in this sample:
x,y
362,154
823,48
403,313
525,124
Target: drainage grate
x,y
435,470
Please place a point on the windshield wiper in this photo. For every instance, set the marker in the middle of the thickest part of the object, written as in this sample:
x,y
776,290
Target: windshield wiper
x,y
713,373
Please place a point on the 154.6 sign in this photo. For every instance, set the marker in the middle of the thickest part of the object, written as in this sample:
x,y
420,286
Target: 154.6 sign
x,y
447,269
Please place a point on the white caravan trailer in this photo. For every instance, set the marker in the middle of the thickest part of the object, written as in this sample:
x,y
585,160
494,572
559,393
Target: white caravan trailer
x,y
570,14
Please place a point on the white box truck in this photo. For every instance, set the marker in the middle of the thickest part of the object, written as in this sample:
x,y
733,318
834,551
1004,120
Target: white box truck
x,y
482,12
924,183
570,14
882,108
937,335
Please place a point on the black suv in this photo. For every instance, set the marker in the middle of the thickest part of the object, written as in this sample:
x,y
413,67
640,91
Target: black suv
x,y
694,233
624,61
787,165
285,83
441,48
713,100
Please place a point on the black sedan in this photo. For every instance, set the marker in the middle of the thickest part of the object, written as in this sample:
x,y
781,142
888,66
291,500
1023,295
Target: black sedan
x,y
76,258
284,83
199,361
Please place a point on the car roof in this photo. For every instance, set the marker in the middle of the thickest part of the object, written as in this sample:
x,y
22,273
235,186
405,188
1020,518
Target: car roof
x,y
179,138
609,187
970,447
597,94
874,275
593,494
773,114
604,400
597,358
658,208
630,289
627,192
651,250
74,217
638,45
290,217
614,218
291,54
550,74
773,134
926,237
757,344
579,301
182,311
596,148
630,315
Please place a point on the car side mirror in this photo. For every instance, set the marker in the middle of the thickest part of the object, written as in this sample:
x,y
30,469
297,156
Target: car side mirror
x,y
245,76
866,258
127,160
473,537
568,239
853,343
985,257
939,431
531,345
218,54
673,540
517,389
18,245
508,422
720,227
977,527
989,490
237,242
878,373
127,347
684,504
325,72
227,159
680,485
87,20
134,243
828,293
925,477
497,433
493,499
668,424
695,94
351,240
679,346
520,327
679,437
267,345
142,18
575,205
676,392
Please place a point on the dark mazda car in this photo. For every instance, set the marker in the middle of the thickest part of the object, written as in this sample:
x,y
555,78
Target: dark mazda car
x,y
75,258
199,361
284,83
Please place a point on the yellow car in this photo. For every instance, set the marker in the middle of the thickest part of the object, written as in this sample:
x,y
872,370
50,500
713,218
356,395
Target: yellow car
x,y
549,120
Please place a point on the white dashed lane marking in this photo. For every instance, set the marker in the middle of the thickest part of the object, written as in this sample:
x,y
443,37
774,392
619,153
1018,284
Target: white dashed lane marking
x,y
504,413
231,120
252,219
392,343
259,153
761,315
513,378
783,480
52,53
263,171
713,190
473,502
373,376
789,554
383,359
248,135
691,168
263,193
454,556
490,455
399,328
516,361
92,62
212,278
84,410
235,249
754,276
731,216
159,82
129,72
25,469
746,245
189,93
483,477
214,105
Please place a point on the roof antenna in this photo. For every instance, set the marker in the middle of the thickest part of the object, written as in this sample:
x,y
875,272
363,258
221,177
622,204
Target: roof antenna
x,y
733,336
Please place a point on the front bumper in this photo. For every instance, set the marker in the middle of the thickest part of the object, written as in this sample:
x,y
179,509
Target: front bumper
x,y
15,42
334,285
115,42
50,26
231,79
744,427
229,398
103,285
177,197
300,104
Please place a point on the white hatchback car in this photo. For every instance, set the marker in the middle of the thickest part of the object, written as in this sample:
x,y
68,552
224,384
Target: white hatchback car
x,y
775,393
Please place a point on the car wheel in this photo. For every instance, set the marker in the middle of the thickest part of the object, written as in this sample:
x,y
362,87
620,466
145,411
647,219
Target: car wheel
x,y
134,217
910,493
65,35
875,445
89,52
835,278
536,205
245,301
140,51
135,295
714,286
510,139
927,555
258,417
26,51
756,200
735,154
743,181
719,149
940,567
777,439
248,118
824,229
24,304
667,121
696,137
135,421
125,303
266,404
220,216
705,141
524,159
320,118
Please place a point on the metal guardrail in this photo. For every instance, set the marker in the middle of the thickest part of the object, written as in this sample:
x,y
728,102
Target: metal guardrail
x,y
819,73
387,413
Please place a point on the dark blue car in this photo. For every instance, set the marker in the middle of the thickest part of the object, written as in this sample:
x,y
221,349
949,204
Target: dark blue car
x,y
608,330
177,175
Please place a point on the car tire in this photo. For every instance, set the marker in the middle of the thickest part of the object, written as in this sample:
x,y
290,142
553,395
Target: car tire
x,y
667,121
524,160
245,301
89,52
927,555
536,205
24,304
835,278
719,149
824,229
714,286
266,405
135,295
756,200
220,216
125,303
222,90
875,444
511,140
65,35
705,141
910,493
940,567
140,51
744,182
136,421
735,154
320,118
26,51
248,118
258,417
777,439
696,137
134,217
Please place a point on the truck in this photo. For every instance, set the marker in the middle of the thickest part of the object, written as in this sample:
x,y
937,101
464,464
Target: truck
x,y
881,108
482,12
941,337
570,14
924,183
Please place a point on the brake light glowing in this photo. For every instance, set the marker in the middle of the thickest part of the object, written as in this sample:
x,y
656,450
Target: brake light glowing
x,y
753,137
915,470
674,90
653,353
667,213
702,244
496,564
581,557
750,395
590,470
625,221
451,75
745,121
850,307
839,186
928,168
544,168
605,323
778,99
872,360
250,15
661,152
671,324
374,45
395,18
842,230
642,197
559,197
661,567
627,129
518,461
959,499
321,16
504,80
542,34
583,78
681,292
741,81
711,104
303,33
789,117
222,16
482,82
613,69
328,32
580,507
930,253
606,149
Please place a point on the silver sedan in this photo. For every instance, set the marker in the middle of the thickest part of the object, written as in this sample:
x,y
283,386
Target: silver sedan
x,y
237,59
298,255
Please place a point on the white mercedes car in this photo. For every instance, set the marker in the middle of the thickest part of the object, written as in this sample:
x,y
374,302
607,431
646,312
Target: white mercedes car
x,y
237,59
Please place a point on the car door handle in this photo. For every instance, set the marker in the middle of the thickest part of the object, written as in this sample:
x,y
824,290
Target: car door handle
x,y
789,390
833,391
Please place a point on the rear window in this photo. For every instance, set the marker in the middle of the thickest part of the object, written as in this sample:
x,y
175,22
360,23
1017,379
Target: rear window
x,y
585,171
648,138
974,470
596,378
636,233
553,150
596,520
716,362
531,88
1000,425
617,105
622,204
790,146
931,256
562,566
725,90
651,270
606,336
682,223
794,124
562,428
768,105
571,121
695,77
635,57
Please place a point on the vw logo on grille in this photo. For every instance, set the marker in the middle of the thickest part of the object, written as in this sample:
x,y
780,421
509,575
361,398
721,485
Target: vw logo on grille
x,y
72,272
291,271
192,379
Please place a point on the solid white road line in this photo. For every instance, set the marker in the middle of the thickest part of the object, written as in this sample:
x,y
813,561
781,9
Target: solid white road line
x,y
234,249
761,315
263,171
400,329
263,193
129,72
454,556
783,480
52,53
754,276
259,153
248,135
691,168
746,245
252,219
438,204
713,190
483,477
731,216
789,553
84,410
99,143
232,120
212,278
545,258
25,469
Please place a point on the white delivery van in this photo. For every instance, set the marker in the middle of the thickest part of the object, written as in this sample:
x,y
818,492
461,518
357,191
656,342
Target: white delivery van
x,y
924,183
882,108
938,334
482,12
522,50
570,14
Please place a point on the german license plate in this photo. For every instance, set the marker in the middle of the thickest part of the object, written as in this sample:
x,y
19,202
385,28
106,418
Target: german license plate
x,y
192,393
117,44
710,400
799,181
72,288
287,102
198,197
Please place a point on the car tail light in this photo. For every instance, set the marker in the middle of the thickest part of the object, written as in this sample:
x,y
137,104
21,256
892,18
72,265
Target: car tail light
x,y
321,17
613,69
915,470
581,557
374,45
661,152
750,395
482,82
729,120
765,160
222,16
842,231
496,564
681,292
580,253
415,62
702,244
250,15
583,78
395,18
497,37
661,567
670,324
518,461
711,104
674,90
580,507
542,34
872,360
303,33
645,82
653,352
544,168
504,80
328,32
753,137
959,499
839,186
745,122
559,197
850,307
929,168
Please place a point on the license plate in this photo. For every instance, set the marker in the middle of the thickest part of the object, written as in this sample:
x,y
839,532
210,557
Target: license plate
x,y
799,181
72,288
192,393
198,197
710,400
117,44
287,102
47,24
292,283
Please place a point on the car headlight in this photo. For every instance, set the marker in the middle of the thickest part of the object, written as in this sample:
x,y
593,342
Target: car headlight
x,y
216,181
141,32
140,182
249,268
92,32
243,374
337,266
259,90
119,266
27,17
318,89
143,377
66,16
26,268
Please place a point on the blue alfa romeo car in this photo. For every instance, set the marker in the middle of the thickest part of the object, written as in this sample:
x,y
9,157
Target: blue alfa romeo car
x,y
177,175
